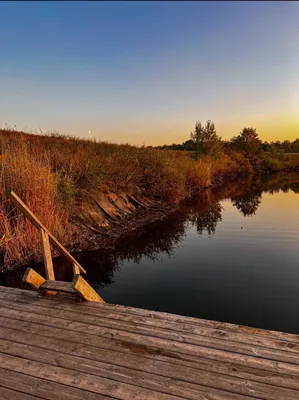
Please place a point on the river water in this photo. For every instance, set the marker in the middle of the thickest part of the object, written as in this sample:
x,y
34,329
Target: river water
x,y
231,254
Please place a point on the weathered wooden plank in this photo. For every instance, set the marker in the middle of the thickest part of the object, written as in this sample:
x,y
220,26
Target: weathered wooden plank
x,y
160,315
197,329
47,254
180,371
38,224
80,380
137,323
156,317
197,336
156,375
33,279
167,340
40,388
17,291
85,291
61,286
179,387
189,354
162,359
226,326
10,394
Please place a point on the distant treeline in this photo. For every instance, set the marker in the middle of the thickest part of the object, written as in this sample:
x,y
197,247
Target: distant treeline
x,y
207,134
286,146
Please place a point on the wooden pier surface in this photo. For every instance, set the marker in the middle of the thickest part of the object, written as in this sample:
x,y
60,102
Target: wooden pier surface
x,y
52,347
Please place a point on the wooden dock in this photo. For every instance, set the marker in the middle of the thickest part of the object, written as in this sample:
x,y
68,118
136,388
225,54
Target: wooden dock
x,y
55,348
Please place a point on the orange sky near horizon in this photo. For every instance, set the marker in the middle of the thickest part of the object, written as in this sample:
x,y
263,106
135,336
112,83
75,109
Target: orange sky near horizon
x,y
159,132
145,72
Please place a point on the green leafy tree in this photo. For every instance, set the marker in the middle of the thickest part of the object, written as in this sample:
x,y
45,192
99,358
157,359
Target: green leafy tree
x,y
295,146
266,146
205,139
287,146
248,142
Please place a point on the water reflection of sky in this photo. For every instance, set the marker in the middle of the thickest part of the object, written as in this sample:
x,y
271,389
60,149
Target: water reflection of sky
x,y
231,254
234,258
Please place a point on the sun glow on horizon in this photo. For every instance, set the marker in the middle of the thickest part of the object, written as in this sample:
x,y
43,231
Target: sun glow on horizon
x,y
151,79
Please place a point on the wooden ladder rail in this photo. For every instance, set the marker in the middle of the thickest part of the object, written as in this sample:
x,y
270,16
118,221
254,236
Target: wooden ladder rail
x,y
49,285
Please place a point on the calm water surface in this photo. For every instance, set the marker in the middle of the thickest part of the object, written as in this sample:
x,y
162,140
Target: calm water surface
x,y
230,255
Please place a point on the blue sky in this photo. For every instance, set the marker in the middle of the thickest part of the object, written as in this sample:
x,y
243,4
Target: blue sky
x,y
145,72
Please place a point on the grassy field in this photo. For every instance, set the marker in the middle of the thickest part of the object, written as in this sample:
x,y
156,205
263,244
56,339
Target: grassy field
x,y
58,177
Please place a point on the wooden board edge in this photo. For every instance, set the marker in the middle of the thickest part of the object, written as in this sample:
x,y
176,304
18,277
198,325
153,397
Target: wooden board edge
x,y
33,279
85,291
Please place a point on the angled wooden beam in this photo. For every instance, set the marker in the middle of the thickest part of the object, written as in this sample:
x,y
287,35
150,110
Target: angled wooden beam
x,y
38,224
34,279
47,255
85,291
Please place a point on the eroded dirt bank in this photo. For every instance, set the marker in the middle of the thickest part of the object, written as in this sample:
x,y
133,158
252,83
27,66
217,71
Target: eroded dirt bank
x,y
114,216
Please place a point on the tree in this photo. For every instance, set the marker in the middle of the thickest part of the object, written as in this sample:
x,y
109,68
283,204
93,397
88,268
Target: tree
x,y
295,146
206,140
189,145
266,146
286,146
247,141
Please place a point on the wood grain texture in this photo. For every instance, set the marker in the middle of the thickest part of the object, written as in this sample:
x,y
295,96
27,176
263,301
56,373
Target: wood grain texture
x,y
85,291
32,388
61,286
33,279
55,348
170,321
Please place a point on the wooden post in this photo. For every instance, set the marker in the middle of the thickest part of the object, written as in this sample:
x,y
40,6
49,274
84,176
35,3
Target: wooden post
x,y
76,269
47,255
85,291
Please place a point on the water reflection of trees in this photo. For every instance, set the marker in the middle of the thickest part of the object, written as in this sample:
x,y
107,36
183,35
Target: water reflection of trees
x,y
151,242
209,220
248,203
205,214
163,237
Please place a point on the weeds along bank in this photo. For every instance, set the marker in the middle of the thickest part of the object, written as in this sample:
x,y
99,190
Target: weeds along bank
x,y
88,193
78,187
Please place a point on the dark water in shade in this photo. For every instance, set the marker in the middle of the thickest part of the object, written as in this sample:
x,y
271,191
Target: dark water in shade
x,y
230,255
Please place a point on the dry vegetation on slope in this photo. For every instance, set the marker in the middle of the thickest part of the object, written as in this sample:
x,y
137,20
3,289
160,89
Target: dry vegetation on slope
x,y
61,177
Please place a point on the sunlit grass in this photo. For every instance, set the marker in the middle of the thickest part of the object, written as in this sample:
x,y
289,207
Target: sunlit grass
x,y
56,175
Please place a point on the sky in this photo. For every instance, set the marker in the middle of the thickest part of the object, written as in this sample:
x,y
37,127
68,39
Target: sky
x,y
145,72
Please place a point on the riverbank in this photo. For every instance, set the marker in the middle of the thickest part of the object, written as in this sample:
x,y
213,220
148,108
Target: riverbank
x,y
89,194
81,189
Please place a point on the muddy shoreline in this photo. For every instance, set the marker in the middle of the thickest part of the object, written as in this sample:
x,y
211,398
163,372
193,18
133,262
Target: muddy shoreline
x,y
106,238
122,234
118,216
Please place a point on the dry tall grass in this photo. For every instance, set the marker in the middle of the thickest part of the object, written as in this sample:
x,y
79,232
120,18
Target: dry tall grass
x,y
57,175
54,175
